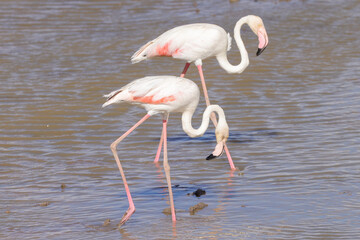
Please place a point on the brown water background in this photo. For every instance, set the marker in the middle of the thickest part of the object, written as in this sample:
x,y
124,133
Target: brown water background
x,y
294,116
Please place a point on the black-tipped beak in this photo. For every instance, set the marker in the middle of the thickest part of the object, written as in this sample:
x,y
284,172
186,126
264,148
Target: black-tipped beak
x,y
211,156
259,51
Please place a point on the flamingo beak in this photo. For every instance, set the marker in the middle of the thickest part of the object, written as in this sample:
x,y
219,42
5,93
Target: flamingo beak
x,y
259,51
263,40
219,150
212,156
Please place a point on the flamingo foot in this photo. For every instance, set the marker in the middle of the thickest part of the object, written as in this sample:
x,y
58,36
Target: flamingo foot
x,y
126,216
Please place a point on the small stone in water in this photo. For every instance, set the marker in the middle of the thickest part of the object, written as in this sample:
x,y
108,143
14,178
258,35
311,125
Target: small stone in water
x,y
44,204
199,192
197,207
167,211
106,222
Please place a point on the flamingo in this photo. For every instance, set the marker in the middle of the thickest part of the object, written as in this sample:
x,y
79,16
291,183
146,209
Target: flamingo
x,y
166,94
196,42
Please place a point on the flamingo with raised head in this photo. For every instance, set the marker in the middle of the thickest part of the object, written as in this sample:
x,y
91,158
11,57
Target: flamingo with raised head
x,y
166,94
196,42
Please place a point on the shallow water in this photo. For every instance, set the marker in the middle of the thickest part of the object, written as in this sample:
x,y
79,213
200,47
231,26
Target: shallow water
x,y
294,116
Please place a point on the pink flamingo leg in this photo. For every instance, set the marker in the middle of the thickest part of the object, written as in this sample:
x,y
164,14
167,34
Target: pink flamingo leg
x,y
232,166
185,69
160,145
213,117
167,172
113,146
161,139
159,148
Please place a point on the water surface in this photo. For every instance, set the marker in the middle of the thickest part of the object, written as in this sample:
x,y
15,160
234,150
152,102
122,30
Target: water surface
x,y
294,116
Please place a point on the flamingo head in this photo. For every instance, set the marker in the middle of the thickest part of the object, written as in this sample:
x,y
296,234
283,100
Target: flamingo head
x,y
222,134
257,26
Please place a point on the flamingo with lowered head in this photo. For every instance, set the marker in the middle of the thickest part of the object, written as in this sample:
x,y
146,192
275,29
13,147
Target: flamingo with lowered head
x,y
196,42
165,94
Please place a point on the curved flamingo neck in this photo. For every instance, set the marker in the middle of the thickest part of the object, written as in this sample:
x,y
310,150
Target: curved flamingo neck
x,y
187,119
222,58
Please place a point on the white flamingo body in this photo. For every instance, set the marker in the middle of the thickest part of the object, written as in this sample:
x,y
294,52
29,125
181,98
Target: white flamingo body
x,y
196,42
158,94
165,94
188,42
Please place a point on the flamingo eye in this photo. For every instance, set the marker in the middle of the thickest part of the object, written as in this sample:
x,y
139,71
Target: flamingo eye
x,y
144,55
